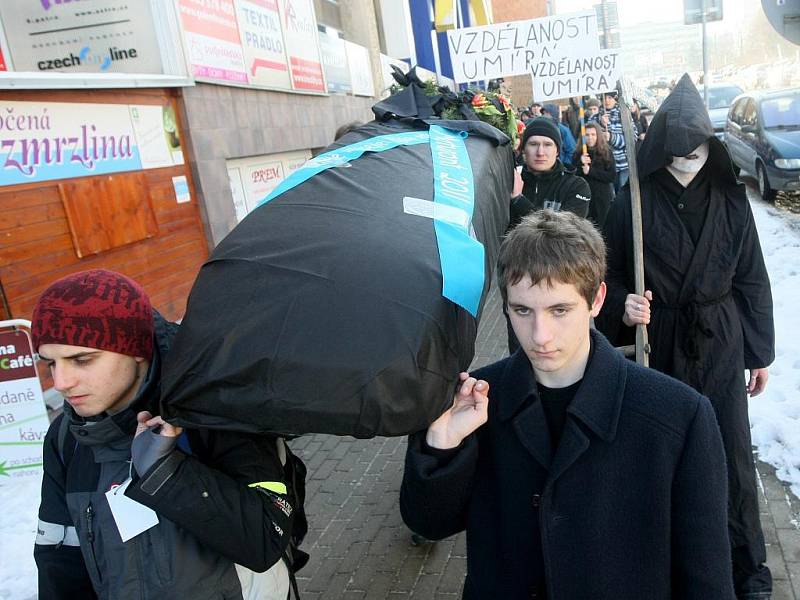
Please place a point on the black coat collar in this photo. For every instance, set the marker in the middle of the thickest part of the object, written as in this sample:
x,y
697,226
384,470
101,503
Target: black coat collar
x,y
598,401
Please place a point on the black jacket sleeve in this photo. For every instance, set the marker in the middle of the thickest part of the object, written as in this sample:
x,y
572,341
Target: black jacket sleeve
x,y
700,546
62,573
575,196
753,296
520,206
437,487
618,235
605,173
230,494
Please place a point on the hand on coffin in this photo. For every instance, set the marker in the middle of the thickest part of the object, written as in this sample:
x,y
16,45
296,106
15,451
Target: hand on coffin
x,y
518,183
469,411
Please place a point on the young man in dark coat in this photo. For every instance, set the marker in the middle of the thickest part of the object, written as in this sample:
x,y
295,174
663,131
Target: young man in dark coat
x,y
577,474
224,502
545,182
708,304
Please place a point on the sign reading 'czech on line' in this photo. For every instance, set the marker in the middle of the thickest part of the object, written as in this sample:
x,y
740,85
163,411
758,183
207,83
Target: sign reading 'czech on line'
x,y
23,417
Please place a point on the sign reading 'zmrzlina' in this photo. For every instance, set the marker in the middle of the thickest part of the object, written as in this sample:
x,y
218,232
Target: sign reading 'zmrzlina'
x,y
43,141
23,417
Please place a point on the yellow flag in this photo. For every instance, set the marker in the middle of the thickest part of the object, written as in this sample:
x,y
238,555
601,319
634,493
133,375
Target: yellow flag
x,y
444,14
481,13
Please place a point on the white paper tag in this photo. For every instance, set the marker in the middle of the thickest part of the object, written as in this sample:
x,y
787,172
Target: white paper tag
x,y
436,211
131,517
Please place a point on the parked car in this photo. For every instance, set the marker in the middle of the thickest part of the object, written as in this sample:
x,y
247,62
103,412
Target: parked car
x,y
763,136
720,98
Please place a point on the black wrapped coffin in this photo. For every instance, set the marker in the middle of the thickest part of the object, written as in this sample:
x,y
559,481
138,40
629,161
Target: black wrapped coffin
x,y
322,311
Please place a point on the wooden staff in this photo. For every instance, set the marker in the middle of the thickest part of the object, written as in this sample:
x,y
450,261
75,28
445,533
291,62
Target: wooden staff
x,y
642,346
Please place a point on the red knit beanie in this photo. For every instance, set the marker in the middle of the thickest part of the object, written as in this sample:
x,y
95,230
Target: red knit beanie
x,y
95,309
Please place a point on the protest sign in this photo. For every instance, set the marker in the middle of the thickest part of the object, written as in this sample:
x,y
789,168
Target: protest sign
x,y
562,53
23,416
576,76
506,49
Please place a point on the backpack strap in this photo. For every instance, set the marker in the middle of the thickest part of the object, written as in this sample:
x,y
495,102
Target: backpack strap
x,y
65,451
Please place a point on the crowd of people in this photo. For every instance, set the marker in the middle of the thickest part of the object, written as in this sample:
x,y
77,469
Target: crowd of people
x,y
576,473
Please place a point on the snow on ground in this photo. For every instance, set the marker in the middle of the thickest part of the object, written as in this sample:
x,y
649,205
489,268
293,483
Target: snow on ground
x,y
19,502
774,415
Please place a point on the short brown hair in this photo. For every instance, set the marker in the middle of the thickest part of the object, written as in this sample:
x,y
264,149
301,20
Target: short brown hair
x,y
554,247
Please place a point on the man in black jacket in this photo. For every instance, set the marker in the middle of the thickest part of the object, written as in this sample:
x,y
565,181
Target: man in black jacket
x,y
576,473
220,500
708,303
545,182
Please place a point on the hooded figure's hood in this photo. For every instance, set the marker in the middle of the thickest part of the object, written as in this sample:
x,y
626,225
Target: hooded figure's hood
x,y
679,126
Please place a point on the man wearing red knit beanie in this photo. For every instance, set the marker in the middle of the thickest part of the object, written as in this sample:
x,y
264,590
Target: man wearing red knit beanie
x,y
133,507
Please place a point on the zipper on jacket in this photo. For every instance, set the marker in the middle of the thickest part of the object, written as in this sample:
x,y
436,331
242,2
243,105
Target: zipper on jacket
x,y
90,537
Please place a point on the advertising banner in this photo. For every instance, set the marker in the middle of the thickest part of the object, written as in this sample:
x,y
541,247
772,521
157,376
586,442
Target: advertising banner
x,y
23,416
262,41
253,178
302,45
360,69
212,39
2,61
334,60
41,141
91,36
156,136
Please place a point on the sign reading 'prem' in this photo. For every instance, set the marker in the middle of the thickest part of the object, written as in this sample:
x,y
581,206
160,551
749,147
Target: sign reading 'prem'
x,y
90,36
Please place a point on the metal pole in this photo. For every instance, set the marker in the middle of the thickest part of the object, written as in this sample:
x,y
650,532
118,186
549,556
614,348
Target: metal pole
x,y
705,53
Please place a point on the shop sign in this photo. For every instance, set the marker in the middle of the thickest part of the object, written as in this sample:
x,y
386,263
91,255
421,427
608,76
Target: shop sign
x,y
23,416
81,37
212,40
360,69
43,141
300,33
262,42
334,59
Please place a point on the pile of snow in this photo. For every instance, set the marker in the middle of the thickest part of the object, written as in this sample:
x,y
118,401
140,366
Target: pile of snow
x,y
775,414
19,502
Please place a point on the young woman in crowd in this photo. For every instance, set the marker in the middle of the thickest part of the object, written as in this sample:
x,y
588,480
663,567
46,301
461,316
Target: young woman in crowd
x,y
598,168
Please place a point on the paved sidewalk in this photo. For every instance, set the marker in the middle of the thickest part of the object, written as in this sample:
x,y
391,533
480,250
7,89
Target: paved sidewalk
x,y
360,548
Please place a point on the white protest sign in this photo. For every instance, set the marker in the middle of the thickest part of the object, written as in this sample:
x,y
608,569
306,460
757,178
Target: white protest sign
x,y
562,53
23,416
506,49
581,75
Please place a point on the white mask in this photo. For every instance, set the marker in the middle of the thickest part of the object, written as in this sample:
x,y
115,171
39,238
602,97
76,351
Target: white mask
x,y
684,168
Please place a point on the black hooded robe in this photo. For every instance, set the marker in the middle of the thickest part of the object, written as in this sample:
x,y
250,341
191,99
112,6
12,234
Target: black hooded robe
x,y
711,313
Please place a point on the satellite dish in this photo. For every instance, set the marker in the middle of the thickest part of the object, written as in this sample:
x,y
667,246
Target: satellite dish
x,y
784,16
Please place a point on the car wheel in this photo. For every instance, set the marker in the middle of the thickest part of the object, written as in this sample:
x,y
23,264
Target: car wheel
x,y
767,193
